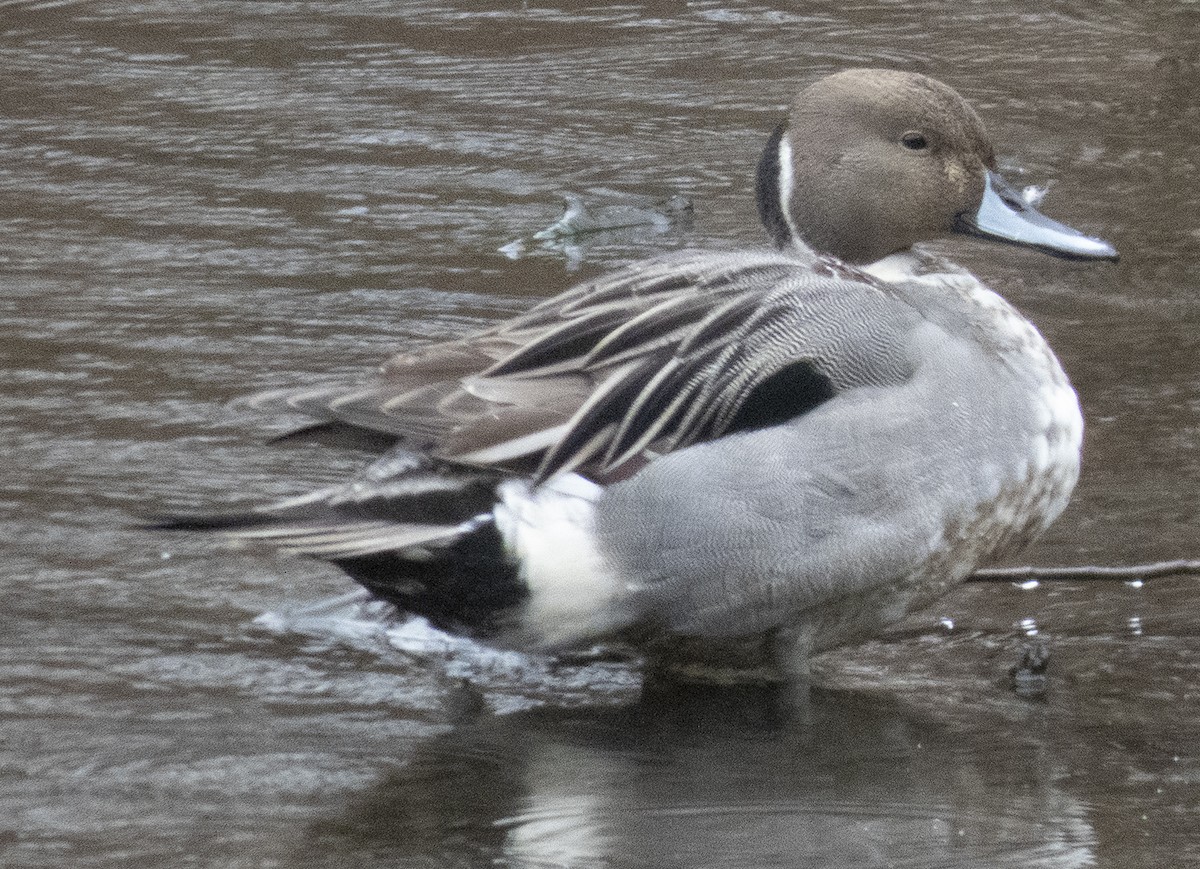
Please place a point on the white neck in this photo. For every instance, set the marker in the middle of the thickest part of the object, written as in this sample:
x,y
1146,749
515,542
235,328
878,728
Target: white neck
x,y
894,266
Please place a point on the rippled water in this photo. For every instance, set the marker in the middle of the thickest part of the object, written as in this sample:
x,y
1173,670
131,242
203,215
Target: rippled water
x,y
198,201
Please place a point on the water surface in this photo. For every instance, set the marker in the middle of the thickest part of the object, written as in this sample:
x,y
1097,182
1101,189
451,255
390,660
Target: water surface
x,y
202,201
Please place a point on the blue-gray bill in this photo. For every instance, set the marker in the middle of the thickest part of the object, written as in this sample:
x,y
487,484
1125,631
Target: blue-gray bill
x,y
1004,216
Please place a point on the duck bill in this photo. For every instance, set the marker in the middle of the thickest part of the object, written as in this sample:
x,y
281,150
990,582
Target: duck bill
x,y
1004,216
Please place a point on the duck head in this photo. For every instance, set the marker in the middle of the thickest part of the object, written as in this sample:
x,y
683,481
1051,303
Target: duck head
x,y
872,161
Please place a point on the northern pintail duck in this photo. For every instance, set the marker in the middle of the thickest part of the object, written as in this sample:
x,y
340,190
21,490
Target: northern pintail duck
x,y
747,456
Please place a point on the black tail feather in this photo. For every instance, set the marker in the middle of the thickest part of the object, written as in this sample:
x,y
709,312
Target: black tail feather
x,y
207,522
469,587
423,540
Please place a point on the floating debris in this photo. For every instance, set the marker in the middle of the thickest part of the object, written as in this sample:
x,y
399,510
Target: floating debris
x,y
582,224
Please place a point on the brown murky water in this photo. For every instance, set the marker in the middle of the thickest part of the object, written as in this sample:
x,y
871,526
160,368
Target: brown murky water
x,y
198,201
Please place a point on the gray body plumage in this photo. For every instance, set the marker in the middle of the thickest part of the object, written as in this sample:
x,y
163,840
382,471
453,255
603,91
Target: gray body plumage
x,y
954,438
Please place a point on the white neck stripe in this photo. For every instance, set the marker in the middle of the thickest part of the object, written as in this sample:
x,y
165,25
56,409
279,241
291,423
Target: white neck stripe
x,y
784,185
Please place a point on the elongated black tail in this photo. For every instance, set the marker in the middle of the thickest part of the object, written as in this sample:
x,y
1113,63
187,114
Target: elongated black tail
x,y
418,535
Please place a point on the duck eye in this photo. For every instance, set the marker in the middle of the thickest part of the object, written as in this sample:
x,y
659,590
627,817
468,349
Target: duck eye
x,y
914,141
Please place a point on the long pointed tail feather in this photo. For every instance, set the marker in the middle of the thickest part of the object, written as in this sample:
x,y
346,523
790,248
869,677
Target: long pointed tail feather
x,y
415,534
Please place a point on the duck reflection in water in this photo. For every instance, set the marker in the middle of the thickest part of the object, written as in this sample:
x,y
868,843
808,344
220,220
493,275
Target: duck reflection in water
x,y
745,776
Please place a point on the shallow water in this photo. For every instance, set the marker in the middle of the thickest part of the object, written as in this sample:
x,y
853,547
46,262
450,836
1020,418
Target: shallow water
x,y
198,204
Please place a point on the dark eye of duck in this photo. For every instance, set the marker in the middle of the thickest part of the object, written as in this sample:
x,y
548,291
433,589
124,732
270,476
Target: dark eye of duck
x,y
914,141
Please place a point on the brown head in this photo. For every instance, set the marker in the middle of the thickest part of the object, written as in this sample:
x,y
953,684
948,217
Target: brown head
x,y
872,161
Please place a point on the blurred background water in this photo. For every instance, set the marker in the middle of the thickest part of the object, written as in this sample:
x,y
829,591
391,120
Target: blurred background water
x,y
198,201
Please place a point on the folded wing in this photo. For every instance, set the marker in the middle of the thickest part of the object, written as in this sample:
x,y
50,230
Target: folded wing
x,y
652,358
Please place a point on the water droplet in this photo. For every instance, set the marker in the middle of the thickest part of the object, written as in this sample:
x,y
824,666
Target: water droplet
x,y
1028,626
1033,194
947,623
1027,584
513,250
1135,583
